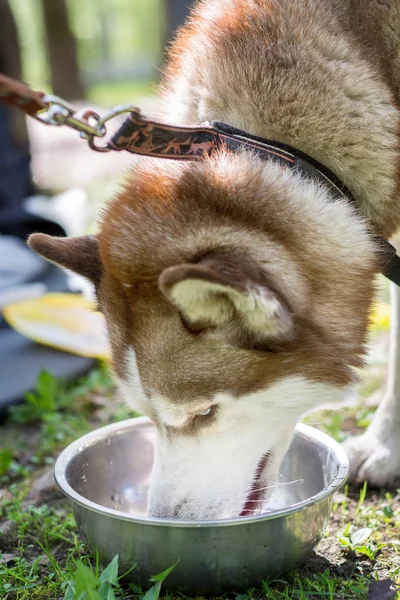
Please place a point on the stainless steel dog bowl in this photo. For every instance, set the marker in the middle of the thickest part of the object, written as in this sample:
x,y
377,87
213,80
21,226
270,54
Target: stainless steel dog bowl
x,y
106,474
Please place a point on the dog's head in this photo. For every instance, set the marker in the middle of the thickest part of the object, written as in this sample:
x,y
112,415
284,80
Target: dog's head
x,y
236,297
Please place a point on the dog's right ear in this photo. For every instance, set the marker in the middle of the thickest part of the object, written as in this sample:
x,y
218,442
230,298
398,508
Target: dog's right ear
x,y
225,287
78,254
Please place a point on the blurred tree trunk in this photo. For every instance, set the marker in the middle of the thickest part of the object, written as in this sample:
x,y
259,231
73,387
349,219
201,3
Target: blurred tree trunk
x,y
15,176
10,60
176,13
10,64
65,75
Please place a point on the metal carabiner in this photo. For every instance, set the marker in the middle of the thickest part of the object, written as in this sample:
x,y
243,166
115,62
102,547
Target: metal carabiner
x,y
114,112
59,112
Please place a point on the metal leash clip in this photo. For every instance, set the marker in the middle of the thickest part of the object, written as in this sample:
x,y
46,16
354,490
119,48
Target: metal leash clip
x,y
87,121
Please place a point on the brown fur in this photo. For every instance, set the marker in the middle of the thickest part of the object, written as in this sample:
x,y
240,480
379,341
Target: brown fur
x,y
144,233
303,72
78,254
300,72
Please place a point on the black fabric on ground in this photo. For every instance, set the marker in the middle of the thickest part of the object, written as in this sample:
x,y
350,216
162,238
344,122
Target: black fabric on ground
x,y
21,360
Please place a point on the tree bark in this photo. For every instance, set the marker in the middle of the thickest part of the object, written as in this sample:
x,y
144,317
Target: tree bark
x,y
10,64
176,13
15,176
62,51
10,60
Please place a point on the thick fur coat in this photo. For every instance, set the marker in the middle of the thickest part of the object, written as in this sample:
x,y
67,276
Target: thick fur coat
x,y
236,293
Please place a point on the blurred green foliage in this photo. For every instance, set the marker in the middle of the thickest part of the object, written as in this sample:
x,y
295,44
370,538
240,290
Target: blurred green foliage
x,y
117,39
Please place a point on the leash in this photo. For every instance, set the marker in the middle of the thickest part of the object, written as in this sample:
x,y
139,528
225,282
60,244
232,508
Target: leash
x,y
140,135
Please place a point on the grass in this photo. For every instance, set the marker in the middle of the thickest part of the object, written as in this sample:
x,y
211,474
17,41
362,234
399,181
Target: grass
x,y
54,414
49,561
41,556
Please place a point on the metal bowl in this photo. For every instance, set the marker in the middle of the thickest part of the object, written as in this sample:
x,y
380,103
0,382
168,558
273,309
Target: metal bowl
x,y
106,474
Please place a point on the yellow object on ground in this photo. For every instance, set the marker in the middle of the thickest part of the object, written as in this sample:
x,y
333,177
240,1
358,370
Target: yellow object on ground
x,y
64,321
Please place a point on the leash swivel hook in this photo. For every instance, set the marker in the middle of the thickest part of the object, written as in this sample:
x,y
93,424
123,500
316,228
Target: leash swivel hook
x,y
87,121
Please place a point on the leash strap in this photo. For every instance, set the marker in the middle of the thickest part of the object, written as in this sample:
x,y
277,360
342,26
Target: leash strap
x,y
139,135
21,96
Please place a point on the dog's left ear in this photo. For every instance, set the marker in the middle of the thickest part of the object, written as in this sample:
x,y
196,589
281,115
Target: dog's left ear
x,y
224,288
79,254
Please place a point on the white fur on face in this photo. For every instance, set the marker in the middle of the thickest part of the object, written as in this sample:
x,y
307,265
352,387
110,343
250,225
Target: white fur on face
x,y
207,473
131,386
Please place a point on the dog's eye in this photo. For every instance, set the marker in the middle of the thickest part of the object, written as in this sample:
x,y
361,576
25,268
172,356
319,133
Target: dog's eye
x,y
206,415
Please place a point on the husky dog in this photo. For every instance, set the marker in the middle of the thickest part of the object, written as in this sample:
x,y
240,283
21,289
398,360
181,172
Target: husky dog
x,y
237,292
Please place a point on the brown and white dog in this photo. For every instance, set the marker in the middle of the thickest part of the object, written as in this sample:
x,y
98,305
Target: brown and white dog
x,y
237,293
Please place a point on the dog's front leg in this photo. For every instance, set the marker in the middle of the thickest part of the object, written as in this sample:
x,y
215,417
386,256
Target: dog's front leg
x,y
375,455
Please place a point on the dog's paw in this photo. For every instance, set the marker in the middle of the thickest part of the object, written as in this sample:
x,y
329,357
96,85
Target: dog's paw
x,y
374,459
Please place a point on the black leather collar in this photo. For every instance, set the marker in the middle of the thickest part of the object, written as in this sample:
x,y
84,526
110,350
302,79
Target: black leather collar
x,y
142,136
295,159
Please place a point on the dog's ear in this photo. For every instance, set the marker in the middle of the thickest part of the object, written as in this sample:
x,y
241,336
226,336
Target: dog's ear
x,y
224,288
79,254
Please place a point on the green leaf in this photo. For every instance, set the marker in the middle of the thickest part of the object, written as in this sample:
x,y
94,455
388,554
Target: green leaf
x,y
70,593
379,547
363,495
69,587
359,536
326,573
85,581
110,573
136,589
344,541
46,389
366,550
153,593
388,511
106,591
6,458
346,530
123,575
164,574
